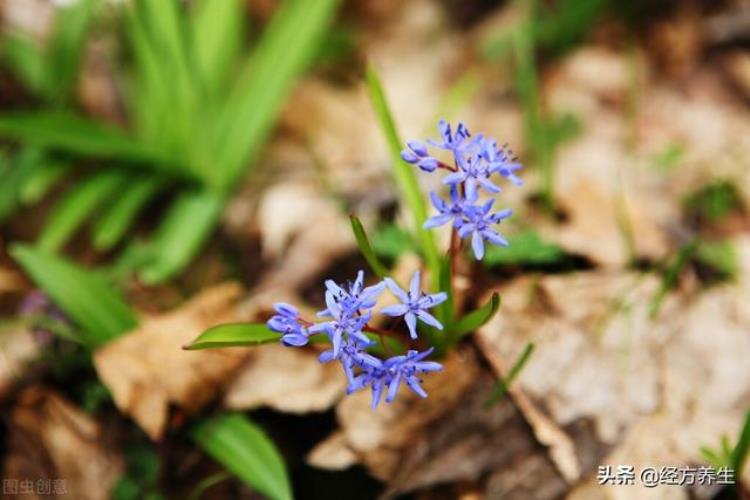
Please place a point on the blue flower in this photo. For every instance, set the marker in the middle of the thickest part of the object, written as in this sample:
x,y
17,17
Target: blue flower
x,y
458,143
500,160
417,155
472,171
447,212
389,374
287,323
356,297
414,305
346,323
351,355
478,225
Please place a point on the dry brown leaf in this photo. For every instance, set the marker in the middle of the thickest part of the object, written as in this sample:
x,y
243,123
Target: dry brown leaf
x,y
147,369
17,348
286,379
657,389
52,440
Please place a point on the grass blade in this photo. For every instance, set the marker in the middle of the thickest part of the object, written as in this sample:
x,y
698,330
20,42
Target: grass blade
x,y
182,233
364,246
42,179
404,174
66,47
503,384
233,335
243,448
25,59
217,29
76,205
82,295
742,448
287,45
72,134
115,221
475,319
13,174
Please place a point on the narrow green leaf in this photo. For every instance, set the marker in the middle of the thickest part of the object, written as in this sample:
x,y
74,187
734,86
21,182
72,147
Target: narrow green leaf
x,y
233,335
364,246
503,384
25,60
741,450
447,310
13,174
65,49
119,216
475,319
282,54
217,28
42,179
182,233
404,174
78,203
671,275
243,448
69,133
82,295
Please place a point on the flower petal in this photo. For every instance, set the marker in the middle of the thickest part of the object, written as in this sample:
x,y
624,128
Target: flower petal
x,y
395,310
411,322
477,244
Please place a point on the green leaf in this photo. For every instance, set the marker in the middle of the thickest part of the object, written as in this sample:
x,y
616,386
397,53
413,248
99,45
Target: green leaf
x,y
182,233
391,241
721,257
526,248
78,203
41,180
14,173
384,346
82,295
504,383
477,318
217,27
364,246
282,54
243,448
403,172
66,47
72,134
671,275
25,59
119,216
446,311
233,335
742,448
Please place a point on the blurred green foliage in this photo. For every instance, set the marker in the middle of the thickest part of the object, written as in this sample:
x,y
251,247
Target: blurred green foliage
x,y
200,108
713,201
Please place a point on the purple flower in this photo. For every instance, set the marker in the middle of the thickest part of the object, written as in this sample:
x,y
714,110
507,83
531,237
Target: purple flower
x,y
354,297
287,323
417,155
472,171
389,374
447,212
500,160
458,143
478,225
414,305
346,323
351,355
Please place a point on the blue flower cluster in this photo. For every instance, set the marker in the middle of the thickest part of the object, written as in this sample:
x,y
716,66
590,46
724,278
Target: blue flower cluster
x,y
476,159
349,309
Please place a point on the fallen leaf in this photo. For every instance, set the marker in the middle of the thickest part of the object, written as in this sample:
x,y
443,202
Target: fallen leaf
x,y
60,449
17,348
147,370
286,379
